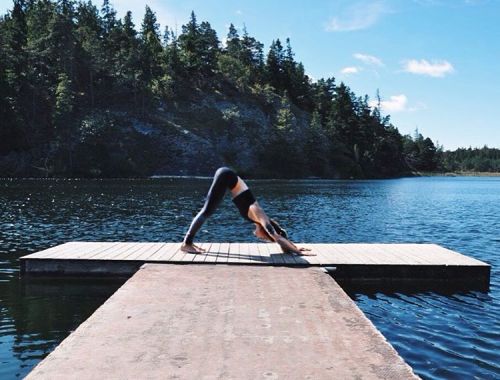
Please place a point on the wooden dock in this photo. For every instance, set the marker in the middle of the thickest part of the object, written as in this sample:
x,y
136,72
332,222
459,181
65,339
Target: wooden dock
x,y
367,262
225,322
255,314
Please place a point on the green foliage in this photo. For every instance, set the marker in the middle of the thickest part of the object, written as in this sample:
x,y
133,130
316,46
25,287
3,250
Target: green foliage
x,y
420,153
64,103
476,160
234,71
73,76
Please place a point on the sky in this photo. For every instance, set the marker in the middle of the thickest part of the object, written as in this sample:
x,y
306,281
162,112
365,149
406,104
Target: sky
x,y
435,63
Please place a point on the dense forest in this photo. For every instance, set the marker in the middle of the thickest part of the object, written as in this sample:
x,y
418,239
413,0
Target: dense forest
x,y
87,94
471,160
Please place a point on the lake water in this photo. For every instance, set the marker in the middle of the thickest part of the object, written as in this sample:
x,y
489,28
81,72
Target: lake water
x,y
441,334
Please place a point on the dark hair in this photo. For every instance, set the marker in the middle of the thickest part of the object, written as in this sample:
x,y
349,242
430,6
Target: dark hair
x,y
279,230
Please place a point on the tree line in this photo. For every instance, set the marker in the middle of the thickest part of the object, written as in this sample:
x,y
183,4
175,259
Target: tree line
x,y
73,75
472,160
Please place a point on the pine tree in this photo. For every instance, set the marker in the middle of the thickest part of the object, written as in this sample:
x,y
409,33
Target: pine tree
x,y
252,56
316,147
111,36
173,61
189,45
92,57
209,49
274,66
108,18
151,46
61,42
233,43
128,54
64,105
252,51
323,94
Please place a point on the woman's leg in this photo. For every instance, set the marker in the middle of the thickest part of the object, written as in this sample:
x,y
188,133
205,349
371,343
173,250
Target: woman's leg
x,y
224,178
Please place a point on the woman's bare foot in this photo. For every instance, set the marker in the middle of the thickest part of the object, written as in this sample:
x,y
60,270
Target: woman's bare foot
x,y
191,248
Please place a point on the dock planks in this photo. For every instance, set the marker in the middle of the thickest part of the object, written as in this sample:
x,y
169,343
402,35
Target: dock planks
x,y
375,262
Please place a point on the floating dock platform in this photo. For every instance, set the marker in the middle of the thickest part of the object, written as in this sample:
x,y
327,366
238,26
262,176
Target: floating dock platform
x,y
365,262
256,314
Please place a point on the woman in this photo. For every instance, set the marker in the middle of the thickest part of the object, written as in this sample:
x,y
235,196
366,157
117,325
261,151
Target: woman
x,y
265,228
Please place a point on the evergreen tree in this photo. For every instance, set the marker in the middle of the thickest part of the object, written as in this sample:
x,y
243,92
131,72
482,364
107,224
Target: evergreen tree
x,y
173,60
233,43
10,136
199,47
89,32
316,147
61,42
128,62
151,46
64,105
252,54
323,95
108,18
189,45
343,122
208,49
274,66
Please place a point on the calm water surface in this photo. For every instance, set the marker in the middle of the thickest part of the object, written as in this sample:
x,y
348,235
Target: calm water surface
x,y
442,335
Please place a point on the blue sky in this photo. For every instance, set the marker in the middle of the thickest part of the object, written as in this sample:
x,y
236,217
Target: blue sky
x,y
435,62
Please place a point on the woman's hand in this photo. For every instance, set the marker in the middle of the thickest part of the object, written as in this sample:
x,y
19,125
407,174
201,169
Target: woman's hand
x,y
305,252
299,251
288,247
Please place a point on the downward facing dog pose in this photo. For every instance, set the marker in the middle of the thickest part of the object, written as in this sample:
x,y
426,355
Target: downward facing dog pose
x,y
265,228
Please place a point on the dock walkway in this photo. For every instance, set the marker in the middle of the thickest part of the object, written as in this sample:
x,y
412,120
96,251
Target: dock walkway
x,y
225,322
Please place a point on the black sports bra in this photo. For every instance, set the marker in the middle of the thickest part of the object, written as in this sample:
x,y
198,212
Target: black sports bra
x,y
243,201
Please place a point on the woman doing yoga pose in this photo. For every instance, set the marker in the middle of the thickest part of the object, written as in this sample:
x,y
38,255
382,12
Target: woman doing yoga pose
x,y
265,228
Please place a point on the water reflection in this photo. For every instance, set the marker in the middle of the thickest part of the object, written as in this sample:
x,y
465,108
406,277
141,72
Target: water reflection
x,y
37,314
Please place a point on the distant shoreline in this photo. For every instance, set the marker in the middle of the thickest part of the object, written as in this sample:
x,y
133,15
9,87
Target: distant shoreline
x,y
412,175
458,174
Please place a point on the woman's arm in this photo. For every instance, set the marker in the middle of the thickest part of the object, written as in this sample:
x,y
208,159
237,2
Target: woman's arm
x,y
287,246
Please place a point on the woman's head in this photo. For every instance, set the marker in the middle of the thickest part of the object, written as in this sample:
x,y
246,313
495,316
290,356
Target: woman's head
x,y
261,233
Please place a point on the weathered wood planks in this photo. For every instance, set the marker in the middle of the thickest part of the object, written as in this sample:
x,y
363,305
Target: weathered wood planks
x,y
352,261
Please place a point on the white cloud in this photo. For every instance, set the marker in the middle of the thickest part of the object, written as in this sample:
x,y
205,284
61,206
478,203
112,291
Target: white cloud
x,y
361,15
350,70
424,67
369,59
239,12
396,103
